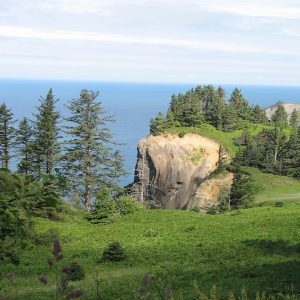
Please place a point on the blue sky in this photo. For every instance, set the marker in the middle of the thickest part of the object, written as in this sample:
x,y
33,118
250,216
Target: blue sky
x,y
207,41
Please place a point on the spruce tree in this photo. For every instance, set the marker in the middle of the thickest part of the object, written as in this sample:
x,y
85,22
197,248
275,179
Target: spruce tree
x,y
47,146
157,124
25,147
294,119
6,135
240,105
89,158
280,117
259,115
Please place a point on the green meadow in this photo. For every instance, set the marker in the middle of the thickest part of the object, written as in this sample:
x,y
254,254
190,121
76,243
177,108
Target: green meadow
x,y
253,250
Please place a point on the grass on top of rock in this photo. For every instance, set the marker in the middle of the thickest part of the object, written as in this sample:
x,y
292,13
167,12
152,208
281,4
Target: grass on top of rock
x,y
227,139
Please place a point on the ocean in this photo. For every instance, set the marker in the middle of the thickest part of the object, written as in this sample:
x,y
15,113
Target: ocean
x,y
132,104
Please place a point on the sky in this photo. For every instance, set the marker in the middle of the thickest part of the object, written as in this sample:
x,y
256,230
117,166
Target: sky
x,y
178,41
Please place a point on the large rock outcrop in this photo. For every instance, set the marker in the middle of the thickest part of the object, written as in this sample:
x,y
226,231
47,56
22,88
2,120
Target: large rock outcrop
x,y
175,172
289,107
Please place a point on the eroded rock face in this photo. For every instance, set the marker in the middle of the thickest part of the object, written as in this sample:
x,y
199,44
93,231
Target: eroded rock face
x,y
172,172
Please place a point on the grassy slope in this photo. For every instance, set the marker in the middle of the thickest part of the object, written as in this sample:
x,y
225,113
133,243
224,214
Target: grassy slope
x,y
254,248
224,138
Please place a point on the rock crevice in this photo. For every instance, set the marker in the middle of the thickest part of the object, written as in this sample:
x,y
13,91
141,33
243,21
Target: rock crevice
x,y
173,172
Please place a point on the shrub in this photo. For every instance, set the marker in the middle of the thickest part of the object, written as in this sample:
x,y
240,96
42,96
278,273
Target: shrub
x,y
190,228
74,272
150,233
279,204
127,205
104,210
113,252
46,237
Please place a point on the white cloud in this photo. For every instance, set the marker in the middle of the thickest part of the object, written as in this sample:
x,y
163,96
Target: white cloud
x,y
148,34
32,33
264,8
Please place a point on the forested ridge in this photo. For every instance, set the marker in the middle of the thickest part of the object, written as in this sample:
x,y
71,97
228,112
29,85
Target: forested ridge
x,y
274,149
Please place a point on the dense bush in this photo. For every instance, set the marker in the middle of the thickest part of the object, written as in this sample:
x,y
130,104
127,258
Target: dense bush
x,y
106,209
127,205
15,195
113,252
73,272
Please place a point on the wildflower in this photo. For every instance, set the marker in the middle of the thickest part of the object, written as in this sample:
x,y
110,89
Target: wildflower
x,y
57,250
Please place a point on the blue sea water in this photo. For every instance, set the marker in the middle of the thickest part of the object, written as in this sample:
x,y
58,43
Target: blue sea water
x,y
133,104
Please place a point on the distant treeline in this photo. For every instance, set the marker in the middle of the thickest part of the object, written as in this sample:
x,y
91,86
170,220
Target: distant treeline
x,y
275,149
210,105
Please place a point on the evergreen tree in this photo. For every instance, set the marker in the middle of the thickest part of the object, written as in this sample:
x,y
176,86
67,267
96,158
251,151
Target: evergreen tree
x,y
259,115
192,115
294,119
291,159
242,190
240,106
280,117
157,124
6,135
90,161
229,119
47,146
24,147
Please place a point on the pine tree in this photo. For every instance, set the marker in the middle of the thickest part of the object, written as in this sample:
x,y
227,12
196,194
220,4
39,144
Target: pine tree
x,y
259,115
291,157
24,147
294,119
47,146
89,158
242,190
280,117
6,135
240,105
157,124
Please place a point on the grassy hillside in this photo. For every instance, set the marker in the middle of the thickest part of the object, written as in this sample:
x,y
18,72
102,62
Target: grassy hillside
x,y
257,249
275,188
227,139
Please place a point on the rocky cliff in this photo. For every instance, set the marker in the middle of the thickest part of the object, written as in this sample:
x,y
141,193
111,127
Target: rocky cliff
x,y
289,107
175,172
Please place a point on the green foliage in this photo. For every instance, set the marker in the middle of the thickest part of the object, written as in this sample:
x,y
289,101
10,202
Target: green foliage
x,y
74,272
90,161
225,250
45,238
127,205
63,274
150,233
25,147
280,117
15,195
113,252
243,190
157,124
206,104
7,132
46,145
47,200
104,209
107,209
